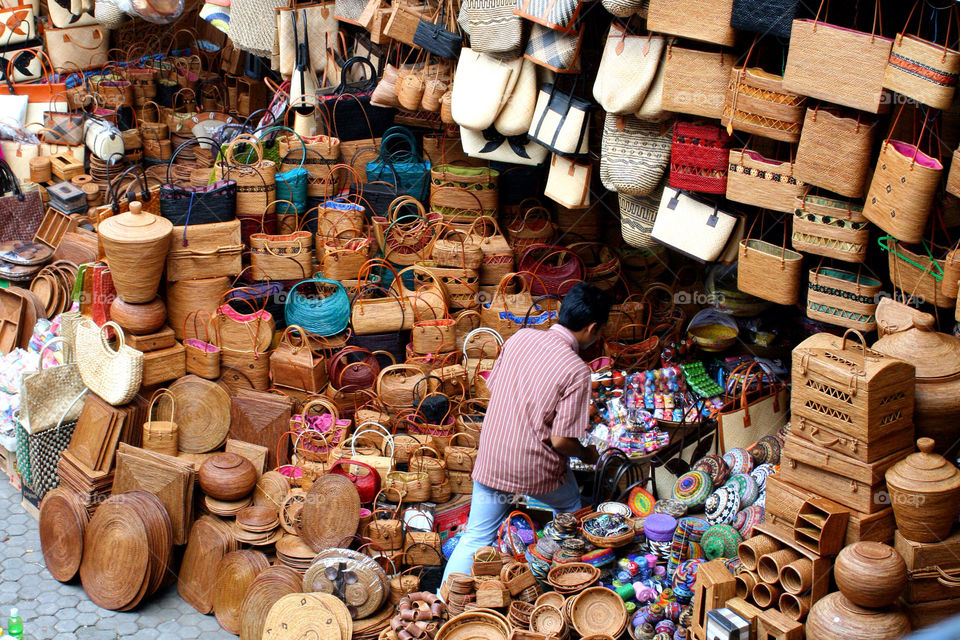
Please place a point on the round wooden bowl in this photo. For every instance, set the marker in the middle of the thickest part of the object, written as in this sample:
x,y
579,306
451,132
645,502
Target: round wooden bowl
x,y
227,476
551,598
833,617
139,319
870,574
548,620
599,610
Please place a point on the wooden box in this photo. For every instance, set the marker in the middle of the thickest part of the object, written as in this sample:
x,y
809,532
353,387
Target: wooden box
x,y
822,566
784,501
211,250
850,389
924,614
820,526
162,339
927,564
164,364
840,442
747,611
714,586
773,625
65,166
852,483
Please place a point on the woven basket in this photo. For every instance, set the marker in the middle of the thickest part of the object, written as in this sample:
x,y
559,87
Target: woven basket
x,y
762,182
769,271
498,255
434,336
606,542
913,280
413,486
462,286
843,298
396,383
457,248
835,150
161,435
902,190
757,103
534,226
922,70
461,193
256,181
695,82
830,228
953,178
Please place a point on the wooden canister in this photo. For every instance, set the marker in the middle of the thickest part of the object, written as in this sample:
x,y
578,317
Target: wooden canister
x,y
40,169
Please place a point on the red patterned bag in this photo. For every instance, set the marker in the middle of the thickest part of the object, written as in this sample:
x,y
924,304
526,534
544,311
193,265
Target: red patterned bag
x,y
699,157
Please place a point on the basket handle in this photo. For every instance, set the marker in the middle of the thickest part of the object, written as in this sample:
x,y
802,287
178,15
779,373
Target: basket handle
x,y
863,347
162,393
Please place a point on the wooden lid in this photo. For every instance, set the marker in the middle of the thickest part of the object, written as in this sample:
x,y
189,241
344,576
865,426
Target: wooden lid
x,y
331,512
925,471
912,337
135,225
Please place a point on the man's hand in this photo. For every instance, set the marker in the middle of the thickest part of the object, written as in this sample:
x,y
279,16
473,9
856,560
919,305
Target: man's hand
x,y
571,448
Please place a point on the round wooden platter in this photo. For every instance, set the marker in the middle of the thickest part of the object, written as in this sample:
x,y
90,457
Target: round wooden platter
x,y
331,512
226,508
258,519
270,585
298,616
127,548
366,582
235,572
210,540
63,520
271,489
203,414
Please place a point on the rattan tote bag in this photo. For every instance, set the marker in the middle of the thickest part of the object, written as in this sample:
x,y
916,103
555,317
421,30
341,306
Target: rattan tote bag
x,y
921,69
627,69
831,228
769,271
835,150
762,182
695,82
706,20
837,64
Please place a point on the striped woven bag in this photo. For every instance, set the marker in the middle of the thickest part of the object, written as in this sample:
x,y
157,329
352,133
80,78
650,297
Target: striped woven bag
x,y
634,154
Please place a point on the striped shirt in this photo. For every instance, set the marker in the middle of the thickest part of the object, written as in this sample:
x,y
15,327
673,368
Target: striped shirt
x,y
539,387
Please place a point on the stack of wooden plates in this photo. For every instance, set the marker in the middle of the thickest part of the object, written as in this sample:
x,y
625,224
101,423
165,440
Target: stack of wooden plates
x,y
256,538
270,585
169,478
294,553
475,624
308,615
127,549
226,508
258,519
53,286
371,627
271,489
210,540
367,586
235,572
63,521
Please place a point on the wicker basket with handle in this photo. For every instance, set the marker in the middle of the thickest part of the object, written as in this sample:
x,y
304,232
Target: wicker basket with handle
x,y
161,435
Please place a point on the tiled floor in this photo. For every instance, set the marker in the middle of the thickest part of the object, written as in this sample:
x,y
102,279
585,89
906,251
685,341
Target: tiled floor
x,y
55,611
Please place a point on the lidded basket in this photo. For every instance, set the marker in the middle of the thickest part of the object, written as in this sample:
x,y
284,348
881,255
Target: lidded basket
x,y
136,245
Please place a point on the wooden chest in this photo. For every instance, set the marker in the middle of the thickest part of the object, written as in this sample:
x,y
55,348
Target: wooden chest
x,y
850,389
784,501
924,614
840,478
934,568
848,445
164,365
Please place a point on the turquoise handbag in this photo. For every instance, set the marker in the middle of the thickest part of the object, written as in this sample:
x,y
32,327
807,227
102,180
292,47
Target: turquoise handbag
x,y
400,165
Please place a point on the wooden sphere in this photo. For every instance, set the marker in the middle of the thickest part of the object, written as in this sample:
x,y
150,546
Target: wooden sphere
x,y
227,476
139,319
870,574
833,617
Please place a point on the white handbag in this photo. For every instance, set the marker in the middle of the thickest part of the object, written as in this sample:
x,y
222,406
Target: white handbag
x,y
18,155
515,117
103,139
627,69
568,182
561,120
492,145
482,85
693,227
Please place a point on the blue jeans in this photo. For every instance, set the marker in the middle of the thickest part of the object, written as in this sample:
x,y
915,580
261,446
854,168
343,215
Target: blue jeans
x,y
488,510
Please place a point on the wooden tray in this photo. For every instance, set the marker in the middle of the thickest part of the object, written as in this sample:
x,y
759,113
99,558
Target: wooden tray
x,y
260,418
53,226
210,539
12,307
164,476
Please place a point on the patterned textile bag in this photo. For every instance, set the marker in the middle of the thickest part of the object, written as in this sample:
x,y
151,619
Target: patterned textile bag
x,y
699,157
634,154
637,217
493,26
558,51
555,14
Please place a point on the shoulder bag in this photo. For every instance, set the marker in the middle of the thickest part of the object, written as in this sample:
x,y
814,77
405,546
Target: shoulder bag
x,y
493,25
554,14
482,85
695,82
558,51
20,213
561,120
755,404
568,182
835,150
47,395
627,69
921,69
710,24
638,214
399,154
77,47
634,154
437,36
699,157
769,271
770,17
829,227
762,182
694,227
492,145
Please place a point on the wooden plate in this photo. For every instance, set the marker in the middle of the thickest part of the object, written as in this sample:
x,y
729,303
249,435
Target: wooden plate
x,y
258,518
331,512
235,572
63,520
296,616
203,414
269,586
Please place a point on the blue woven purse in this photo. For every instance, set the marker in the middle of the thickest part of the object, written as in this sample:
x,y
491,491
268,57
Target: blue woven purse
x,y
400,164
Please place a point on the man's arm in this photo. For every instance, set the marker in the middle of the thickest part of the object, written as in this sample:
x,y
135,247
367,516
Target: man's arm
x,y
571,448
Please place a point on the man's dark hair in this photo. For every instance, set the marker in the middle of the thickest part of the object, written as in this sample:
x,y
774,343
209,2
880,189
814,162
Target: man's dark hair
x,y
583,305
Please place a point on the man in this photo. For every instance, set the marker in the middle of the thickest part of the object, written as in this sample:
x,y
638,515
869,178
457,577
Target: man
x,y
539,407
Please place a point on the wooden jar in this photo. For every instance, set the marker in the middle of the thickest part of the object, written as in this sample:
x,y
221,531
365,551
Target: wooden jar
x,y
870,574
833,617
227,476
925,494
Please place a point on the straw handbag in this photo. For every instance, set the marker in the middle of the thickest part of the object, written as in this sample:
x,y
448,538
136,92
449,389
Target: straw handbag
x,y
202,354
762,182
295,364
205,251
832,228
903,187
712,23
114,374
286,256
493,26
376,309
917,274
461,192
161,435
638,214
757,102
461,457
953,177
405,237
237,330
843,298
695,82
396,383
699,157
498,257
533,225
342,256
506,312
835,150
921,69
837,64
769,271
627,69
635,154
434,336
696,228
256,180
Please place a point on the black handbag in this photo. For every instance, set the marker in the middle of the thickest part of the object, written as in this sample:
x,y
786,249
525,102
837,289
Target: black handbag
x,y
113,188
774,17
354,118
436,38
216,202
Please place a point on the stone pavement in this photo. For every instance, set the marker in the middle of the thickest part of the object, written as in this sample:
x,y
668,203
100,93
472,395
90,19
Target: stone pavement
x,y
55,611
